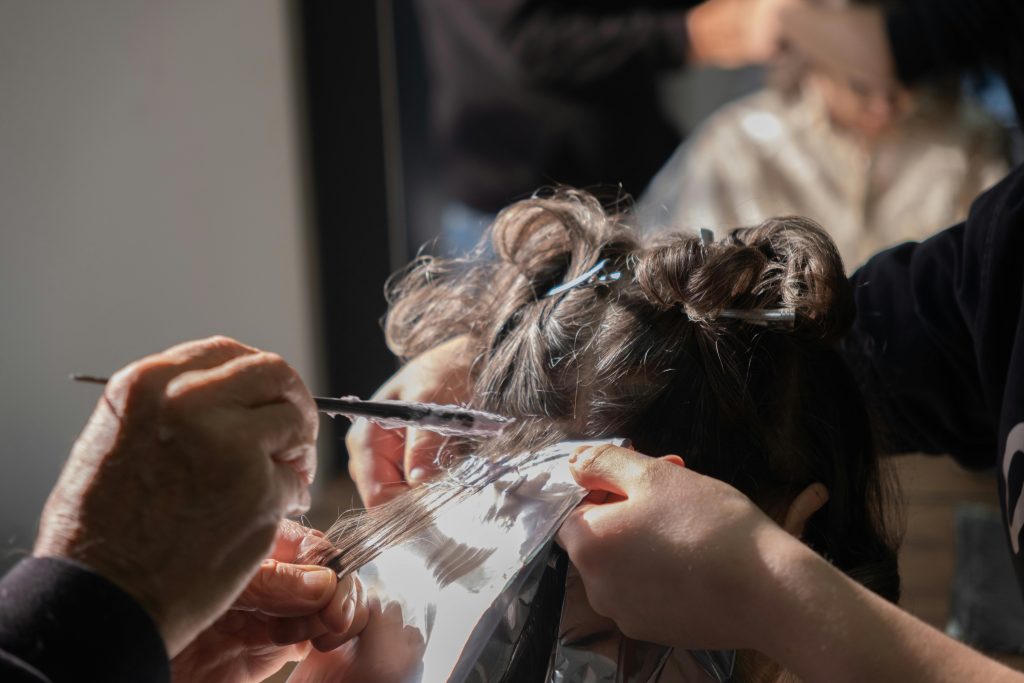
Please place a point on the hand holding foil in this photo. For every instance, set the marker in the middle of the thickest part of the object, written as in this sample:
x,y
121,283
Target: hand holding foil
x,y
669,553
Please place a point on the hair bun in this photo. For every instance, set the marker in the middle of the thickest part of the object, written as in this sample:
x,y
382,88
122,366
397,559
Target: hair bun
x,y
551,237
545,232
784,263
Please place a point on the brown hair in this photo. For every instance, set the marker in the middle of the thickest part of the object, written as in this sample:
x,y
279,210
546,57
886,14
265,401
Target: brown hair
x,y
767,408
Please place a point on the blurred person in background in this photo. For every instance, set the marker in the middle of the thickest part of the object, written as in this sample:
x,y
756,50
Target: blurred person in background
x,y
911,40
526,93
875,165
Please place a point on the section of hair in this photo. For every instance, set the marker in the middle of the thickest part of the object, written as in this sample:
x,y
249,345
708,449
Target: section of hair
x,y
769,409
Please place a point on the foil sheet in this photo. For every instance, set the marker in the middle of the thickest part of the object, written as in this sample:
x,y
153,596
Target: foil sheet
x,y
468,587
591,649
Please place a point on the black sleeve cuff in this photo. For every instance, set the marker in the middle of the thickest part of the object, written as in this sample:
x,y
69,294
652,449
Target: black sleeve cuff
x,y
74,625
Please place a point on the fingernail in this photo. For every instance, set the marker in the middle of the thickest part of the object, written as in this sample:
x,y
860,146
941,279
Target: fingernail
x,y
418,475
357,590
320,579
348,613
577,453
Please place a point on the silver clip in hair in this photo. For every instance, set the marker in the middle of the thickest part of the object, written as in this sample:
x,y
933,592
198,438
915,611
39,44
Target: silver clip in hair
x,y
593,276
761,316
706,236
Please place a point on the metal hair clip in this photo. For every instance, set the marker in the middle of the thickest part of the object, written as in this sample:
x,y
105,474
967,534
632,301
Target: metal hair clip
x,y
761,316
706,237
592,277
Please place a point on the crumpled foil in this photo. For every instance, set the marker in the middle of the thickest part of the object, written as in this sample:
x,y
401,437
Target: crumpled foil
x,y
469,583
591,649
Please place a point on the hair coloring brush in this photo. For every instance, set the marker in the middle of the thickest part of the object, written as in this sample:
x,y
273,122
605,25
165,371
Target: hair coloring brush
x,y
449,420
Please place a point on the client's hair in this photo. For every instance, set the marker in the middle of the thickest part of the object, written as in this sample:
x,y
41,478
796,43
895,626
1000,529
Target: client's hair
x,y
660,356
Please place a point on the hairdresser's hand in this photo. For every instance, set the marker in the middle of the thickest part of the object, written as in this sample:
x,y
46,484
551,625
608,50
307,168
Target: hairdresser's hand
x,y
670,555
384,462
732,33
175,488
285,611
677,558
387,651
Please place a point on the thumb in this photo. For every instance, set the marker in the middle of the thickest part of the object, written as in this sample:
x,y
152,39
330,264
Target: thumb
x,y
281,589
608,468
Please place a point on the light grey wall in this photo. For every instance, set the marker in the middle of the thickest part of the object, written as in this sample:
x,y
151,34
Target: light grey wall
x,y
149,193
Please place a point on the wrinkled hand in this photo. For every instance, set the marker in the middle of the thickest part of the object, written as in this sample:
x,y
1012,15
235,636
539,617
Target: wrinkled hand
x,y
384,462
286,610
175,487
670,555
387,651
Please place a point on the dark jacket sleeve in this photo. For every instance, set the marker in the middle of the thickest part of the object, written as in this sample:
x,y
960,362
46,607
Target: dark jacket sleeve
x,y
913,350
931,36
936,333
573,44
61,622
939,343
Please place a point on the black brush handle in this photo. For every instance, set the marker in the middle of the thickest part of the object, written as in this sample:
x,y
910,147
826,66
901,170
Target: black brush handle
x,y
444,419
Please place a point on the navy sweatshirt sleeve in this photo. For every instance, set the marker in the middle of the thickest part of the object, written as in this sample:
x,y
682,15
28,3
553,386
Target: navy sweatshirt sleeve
x,y
939,344
61,622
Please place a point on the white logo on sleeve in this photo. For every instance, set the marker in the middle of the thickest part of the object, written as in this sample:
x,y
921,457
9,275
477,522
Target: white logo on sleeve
x,y
1014,517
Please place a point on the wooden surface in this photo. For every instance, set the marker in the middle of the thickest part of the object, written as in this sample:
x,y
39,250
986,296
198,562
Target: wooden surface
x,y
932,488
